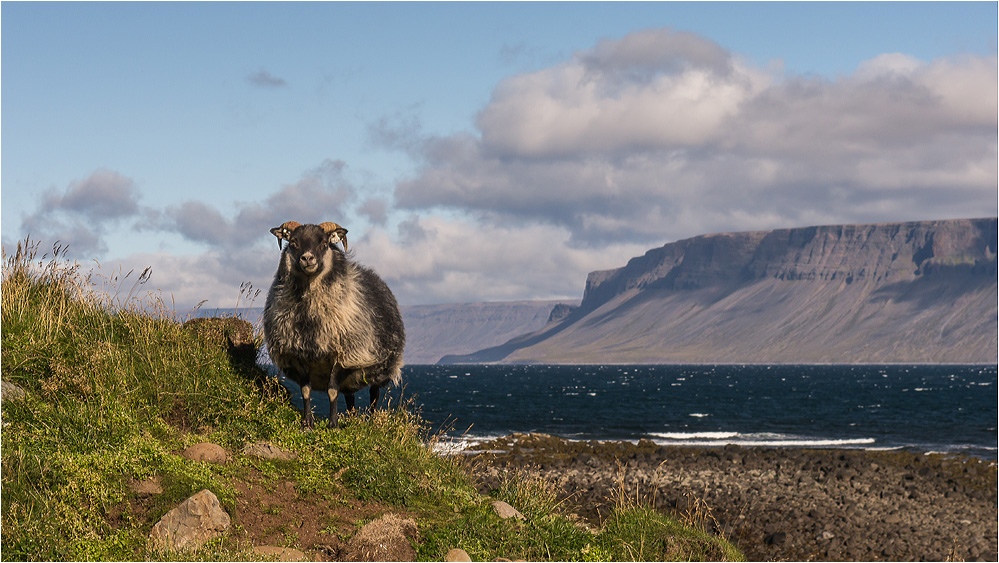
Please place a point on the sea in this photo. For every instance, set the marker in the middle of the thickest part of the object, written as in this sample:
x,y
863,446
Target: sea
x,y
924,408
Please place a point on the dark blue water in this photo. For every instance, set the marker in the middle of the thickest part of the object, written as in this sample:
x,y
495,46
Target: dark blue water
x,y
925,408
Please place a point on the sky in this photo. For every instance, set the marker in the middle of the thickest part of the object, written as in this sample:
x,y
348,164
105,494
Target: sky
x,y
480,151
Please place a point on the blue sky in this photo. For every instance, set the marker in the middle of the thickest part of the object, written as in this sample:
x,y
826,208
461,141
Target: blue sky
x,y
481,151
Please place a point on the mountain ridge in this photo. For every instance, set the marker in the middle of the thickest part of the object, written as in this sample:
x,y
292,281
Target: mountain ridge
x,y
921,291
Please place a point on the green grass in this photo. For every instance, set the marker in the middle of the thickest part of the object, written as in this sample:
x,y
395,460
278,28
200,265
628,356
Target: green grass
x,y
116,389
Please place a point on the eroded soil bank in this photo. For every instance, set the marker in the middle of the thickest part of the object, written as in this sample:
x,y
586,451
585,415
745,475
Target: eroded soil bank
x,y
779,503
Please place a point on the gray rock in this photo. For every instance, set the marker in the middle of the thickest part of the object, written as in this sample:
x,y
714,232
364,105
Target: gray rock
x,y
776,538
505,511
280,553
193,523
206,451
457,555
10,391
267,450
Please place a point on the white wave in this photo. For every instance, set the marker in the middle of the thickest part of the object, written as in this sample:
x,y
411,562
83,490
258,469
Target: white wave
x,y
752,440
698,414
460,445
695,435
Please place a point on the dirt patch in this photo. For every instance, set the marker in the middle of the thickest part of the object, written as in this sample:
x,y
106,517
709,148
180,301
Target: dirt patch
x,y
272,512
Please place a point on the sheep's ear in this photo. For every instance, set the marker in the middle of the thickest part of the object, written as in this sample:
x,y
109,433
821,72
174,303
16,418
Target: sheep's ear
x,y
284,231
336,233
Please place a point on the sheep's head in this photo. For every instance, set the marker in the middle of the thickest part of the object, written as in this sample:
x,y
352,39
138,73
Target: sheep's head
x,y
308,244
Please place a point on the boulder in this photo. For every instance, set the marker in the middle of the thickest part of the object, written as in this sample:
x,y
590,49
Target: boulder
x,y
504,510
10,391
191,524
457,555
268,451
206,451
389,538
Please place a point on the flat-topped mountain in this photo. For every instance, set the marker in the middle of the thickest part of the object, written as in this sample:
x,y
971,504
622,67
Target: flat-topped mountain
x,y
896,292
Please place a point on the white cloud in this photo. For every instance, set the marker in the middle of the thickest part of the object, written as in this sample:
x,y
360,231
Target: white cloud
x,y
81,215
663,135
652,89
184,281
320,195
438,260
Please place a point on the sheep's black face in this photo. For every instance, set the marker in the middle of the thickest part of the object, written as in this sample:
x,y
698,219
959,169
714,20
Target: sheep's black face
x,y
310,250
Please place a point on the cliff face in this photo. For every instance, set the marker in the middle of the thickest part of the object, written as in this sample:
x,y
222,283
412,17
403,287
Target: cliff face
x,y
900,292
879,253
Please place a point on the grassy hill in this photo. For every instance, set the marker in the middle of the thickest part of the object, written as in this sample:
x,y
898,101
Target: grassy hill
x,y
116,389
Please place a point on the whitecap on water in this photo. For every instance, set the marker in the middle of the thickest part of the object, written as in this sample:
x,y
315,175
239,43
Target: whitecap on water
x,y
753,440
695,435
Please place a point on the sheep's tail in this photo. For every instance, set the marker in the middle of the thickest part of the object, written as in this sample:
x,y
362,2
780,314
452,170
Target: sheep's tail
x,y
395,372
395,376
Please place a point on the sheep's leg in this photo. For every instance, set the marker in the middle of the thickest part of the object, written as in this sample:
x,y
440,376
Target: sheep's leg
x,y
308,421
333,393
376,393
349,399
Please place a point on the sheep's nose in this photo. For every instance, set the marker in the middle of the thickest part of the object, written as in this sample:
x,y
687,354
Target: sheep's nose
x,y
308,259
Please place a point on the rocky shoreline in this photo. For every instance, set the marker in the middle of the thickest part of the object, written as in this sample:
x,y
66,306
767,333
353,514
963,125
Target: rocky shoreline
x,y
777,503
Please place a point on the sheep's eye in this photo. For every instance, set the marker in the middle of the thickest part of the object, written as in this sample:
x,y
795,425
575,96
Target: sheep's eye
x,y
293,244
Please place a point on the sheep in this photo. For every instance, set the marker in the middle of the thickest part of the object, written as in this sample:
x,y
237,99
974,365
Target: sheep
x,y
330,323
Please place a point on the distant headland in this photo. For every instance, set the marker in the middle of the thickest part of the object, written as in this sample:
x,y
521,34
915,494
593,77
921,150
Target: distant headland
x,y
915,292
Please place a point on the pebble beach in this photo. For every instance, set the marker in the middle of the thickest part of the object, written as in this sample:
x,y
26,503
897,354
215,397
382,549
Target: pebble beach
x,y
776,504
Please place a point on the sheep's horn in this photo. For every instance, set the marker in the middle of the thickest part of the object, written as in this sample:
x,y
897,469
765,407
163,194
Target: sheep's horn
x,y
336,232
284,231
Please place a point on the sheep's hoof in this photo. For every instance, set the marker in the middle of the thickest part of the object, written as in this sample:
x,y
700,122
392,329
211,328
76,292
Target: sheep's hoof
x,y
333,424
308,424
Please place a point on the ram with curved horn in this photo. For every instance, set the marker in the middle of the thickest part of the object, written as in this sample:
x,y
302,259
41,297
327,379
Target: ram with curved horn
x,y
330,324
